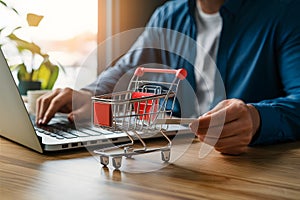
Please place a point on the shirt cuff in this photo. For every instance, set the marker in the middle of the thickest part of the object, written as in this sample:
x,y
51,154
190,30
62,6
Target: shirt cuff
x,y
269,131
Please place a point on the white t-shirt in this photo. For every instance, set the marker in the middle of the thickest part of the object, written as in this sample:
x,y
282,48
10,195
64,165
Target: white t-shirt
x,y
209,29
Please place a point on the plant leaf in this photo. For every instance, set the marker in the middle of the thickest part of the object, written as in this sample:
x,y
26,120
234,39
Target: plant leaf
x,y
24,45
13,9
23,75
53,78
42,74
33,19
47,74
54,73
2,2
16,28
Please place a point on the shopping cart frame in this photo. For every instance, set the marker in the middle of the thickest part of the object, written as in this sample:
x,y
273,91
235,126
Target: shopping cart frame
x,y
137,110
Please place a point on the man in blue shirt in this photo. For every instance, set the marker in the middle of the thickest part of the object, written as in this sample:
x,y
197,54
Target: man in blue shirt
x,y
258,57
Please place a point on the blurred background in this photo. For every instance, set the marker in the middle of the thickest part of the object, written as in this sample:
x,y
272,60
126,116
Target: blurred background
x,y
71,30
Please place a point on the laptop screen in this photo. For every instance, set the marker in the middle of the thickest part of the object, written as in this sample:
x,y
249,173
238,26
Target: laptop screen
x,y
15,123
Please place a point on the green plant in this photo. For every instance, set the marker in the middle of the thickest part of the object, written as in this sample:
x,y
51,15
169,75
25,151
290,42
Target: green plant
x,y
46,72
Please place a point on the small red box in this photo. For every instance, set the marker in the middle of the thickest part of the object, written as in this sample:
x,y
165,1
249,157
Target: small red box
x,y
102,114
143,108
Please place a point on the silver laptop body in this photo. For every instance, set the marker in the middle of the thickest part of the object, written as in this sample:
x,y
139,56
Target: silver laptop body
x,y
16,124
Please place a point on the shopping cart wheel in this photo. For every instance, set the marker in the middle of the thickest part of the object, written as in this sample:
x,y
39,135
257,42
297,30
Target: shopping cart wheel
x,y
165,155
128,151
117,162
104,160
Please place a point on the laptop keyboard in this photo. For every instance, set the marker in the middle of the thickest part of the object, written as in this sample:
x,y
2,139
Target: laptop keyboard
x,y
66,131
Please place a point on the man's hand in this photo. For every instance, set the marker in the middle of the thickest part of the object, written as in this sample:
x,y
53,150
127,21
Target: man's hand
x,y
76,103
229,127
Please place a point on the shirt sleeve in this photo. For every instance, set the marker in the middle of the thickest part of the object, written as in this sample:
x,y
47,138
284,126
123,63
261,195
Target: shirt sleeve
x,y
280,117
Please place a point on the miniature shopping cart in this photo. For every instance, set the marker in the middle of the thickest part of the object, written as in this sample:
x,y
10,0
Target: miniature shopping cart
x,y
136,111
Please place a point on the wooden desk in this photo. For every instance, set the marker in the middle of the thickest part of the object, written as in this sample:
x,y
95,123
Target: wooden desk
x,y
263,173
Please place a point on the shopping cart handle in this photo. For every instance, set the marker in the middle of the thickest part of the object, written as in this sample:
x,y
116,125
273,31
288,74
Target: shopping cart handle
x,y
180,73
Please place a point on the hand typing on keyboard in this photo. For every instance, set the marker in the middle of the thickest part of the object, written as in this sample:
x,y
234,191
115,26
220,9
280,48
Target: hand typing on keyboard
x,y
76,103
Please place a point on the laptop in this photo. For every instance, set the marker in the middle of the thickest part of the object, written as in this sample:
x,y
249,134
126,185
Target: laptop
x,y
17,125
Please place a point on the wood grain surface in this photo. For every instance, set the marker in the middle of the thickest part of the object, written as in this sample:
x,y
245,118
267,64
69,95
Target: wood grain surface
x,y
270,172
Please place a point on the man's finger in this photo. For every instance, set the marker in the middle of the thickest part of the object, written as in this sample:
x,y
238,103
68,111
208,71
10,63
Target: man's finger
x,y
43,103
55,105
223,131
216,118
206,117
218,107
230,112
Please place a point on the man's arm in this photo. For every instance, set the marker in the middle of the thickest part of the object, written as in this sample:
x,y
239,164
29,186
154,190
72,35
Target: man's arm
x,y
280,117
61,100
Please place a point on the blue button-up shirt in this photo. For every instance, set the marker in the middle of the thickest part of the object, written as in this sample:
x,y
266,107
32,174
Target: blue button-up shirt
x,y
258,57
